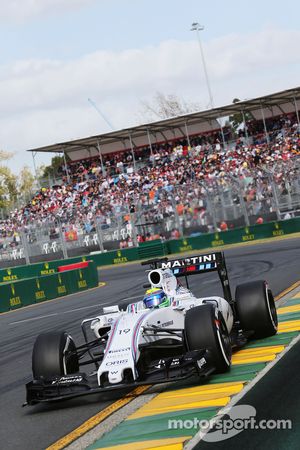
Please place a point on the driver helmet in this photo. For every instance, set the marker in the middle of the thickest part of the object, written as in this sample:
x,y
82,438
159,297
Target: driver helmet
x,y
155,298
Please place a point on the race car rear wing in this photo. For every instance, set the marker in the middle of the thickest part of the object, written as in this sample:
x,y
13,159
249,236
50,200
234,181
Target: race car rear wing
x,y
193,265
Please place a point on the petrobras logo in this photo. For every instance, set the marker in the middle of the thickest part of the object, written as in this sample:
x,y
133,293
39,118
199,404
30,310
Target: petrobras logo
x,y
161,363
120,350
167,324
68,380
175,362
201,363
189,261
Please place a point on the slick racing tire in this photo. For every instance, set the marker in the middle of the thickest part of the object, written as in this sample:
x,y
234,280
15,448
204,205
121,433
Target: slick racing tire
x,y
256,309
205,328
54,354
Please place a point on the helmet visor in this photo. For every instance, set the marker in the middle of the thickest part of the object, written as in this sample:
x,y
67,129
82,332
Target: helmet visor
x,y
153,300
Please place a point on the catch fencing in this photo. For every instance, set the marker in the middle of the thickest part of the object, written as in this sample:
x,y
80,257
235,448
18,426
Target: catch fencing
x,y
190,209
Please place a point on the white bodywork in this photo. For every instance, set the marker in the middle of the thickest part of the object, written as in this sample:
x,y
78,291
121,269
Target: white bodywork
x,y
127,327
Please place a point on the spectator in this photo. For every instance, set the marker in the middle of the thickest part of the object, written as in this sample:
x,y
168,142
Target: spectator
x,y
223,226
177,177
259,221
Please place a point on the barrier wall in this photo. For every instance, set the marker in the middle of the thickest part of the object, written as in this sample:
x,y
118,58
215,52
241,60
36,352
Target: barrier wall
x,y
147,250
17,294
39,282
152,249
245,234
35,270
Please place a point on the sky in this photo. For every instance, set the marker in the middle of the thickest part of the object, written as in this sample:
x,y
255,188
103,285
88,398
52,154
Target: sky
x,y
55,54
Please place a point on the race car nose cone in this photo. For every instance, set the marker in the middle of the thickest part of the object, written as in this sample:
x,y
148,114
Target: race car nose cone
x,y
115,376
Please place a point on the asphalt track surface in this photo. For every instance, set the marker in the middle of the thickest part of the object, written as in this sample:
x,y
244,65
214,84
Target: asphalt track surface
x,y
37,427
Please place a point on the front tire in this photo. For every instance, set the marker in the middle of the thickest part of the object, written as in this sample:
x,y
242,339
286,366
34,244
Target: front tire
x,y
54,354
205,328
256,308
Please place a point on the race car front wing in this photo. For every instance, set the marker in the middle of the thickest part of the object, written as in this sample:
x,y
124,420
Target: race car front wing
x,y
160,371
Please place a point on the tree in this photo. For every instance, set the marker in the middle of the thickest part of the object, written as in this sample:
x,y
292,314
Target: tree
x,y
163,106
26,183
8,182
8,188
4,156
56,162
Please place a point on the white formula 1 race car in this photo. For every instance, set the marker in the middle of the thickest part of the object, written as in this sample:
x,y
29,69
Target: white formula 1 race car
x,y
167,336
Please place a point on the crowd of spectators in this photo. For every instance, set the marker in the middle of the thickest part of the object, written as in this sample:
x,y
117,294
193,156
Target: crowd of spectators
x,y
174,177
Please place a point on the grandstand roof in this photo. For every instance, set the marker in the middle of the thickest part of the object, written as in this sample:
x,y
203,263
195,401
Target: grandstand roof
x,y
176,127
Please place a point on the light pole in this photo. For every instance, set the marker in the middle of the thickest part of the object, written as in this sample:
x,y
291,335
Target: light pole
x,y
108,122
197,27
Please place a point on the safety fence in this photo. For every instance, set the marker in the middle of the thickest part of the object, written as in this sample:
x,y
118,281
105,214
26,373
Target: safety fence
x,y
25,285
192,208
155,248
25,290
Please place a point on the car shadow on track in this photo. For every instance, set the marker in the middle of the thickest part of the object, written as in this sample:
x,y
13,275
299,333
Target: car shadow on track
x,y
100,399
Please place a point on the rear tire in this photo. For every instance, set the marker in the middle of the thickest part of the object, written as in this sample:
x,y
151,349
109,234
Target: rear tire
x,y
205,328
256,308
54,354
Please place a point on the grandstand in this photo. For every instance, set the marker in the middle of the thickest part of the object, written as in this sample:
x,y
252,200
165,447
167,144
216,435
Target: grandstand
x,y
177,177
183,127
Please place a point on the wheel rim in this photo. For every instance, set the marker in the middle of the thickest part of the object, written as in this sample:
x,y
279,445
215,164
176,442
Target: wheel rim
x,y
224,341
69,356
271,309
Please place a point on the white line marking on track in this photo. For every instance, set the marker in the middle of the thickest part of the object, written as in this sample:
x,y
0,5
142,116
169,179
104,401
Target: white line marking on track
x,y
33,318
56,314
84,307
